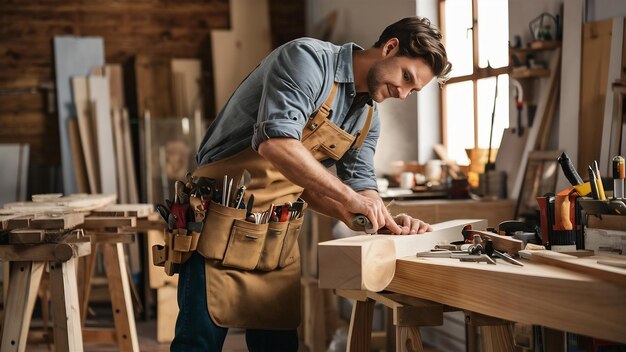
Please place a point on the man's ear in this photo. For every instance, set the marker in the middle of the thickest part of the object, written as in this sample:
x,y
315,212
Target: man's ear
x,y
391,47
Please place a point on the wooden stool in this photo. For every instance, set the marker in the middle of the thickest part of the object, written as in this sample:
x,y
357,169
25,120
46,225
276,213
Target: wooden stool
x,y
23,285
107,233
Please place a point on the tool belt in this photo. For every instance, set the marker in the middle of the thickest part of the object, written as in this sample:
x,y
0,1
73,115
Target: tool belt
x,y
228,237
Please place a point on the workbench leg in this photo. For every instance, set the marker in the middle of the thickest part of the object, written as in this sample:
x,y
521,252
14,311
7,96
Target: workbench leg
x,y
65,307
5,280
498,338
408,339
554,340
495,334
18,308
360,332
119,289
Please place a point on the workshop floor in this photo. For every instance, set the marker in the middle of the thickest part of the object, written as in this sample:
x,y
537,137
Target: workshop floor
x,y
146,331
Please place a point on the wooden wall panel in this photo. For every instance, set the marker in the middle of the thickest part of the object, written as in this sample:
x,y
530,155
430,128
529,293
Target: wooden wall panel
x,y
173,28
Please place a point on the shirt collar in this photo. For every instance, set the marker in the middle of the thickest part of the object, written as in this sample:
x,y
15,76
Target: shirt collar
x,y
344,72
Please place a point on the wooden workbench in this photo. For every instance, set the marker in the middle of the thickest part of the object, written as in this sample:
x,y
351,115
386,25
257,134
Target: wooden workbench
x,y
536,294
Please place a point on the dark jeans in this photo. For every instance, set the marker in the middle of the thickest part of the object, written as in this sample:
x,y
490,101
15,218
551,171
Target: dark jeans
x,y
195,330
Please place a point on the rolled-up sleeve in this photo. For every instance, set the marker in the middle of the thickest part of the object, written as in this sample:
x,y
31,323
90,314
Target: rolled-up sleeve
x,y
290,87
356,168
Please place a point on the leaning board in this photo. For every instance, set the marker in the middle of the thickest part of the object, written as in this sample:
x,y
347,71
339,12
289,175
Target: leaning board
x,y
368,262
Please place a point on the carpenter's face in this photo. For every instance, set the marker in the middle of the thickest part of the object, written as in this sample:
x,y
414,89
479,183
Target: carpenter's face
x,y
397,76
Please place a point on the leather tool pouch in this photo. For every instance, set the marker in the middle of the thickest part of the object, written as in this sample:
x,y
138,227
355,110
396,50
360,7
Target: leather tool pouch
x,y
325,140
179,244
237,243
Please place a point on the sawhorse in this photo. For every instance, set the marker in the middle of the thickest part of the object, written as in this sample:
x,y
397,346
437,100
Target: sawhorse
x,y
28,262
107,233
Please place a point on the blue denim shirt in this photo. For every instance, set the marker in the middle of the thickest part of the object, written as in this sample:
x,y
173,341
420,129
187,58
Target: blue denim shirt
x,y
279,96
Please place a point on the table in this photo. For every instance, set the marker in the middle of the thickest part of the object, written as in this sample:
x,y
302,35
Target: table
x,y
535,294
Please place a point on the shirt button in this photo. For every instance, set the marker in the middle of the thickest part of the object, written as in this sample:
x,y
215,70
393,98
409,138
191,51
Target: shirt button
x,y
352,95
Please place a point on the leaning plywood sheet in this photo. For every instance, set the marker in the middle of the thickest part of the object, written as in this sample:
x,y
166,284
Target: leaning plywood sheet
x,y
237,51
73,56
14,172
368,262
86,127
99,98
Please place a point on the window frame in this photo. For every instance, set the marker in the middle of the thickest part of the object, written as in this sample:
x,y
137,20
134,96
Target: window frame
x,y
477,72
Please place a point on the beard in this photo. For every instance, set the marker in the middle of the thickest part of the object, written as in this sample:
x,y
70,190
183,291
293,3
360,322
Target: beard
x,y
375,81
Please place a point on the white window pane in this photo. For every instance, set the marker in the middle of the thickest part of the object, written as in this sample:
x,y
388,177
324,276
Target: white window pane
x,y
458,38
460,120
493,33
486,91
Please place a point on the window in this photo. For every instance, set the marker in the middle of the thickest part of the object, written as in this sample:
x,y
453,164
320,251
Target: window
x,y
476,37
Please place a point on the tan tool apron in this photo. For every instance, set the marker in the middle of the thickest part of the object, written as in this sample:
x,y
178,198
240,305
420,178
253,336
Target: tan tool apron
x,y
256,299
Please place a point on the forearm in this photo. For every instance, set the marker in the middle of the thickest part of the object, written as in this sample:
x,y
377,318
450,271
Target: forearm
x,y
296,163
325,205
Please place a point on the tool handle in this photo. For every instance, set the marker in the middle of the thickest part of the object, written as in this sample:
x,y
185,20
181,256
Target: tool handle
x,y
569,171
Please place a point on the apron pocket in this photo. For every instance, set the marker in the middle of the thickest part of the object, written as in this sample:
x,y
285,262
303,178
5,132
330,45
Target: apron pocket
x,y
245,245
273,245
216,230
287,254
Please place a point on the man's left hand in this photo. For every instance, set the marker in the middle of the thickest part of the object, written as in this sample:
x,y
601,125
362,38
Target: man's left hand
x,y
411,226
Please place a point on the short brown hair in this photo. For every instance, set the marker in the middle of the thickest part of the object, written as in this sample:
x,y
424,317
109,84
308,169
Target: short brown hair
x,y
419,38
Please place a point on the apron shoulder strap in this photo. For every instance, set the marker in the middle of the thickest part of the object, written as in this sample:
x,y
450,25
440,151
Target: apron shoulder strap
x,y
328,103
365,129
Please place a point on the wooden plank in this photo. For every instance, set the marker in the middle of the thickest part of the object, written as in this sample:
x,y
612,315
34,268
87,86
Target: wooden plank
x,y
18,310
187,80
134,210
60,205
104,237
86,126
596,50
153,77
103,336
99,98
129,159
72,56
238,50
103,222
120,164
119,289
547,294
44,252
612,122
569,116
166,313
64,221
26,236
368,262
80,169
502,243
584,265
13,173
17,222
65,307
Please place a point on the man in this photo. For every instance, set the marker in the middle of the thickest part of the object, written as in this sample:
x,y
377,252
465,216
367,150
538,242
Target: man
x,y
308,105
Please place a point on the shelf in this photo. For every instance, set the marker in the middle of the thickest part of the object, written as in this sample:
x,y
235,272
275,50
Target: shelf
x,y
538,46
525,72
